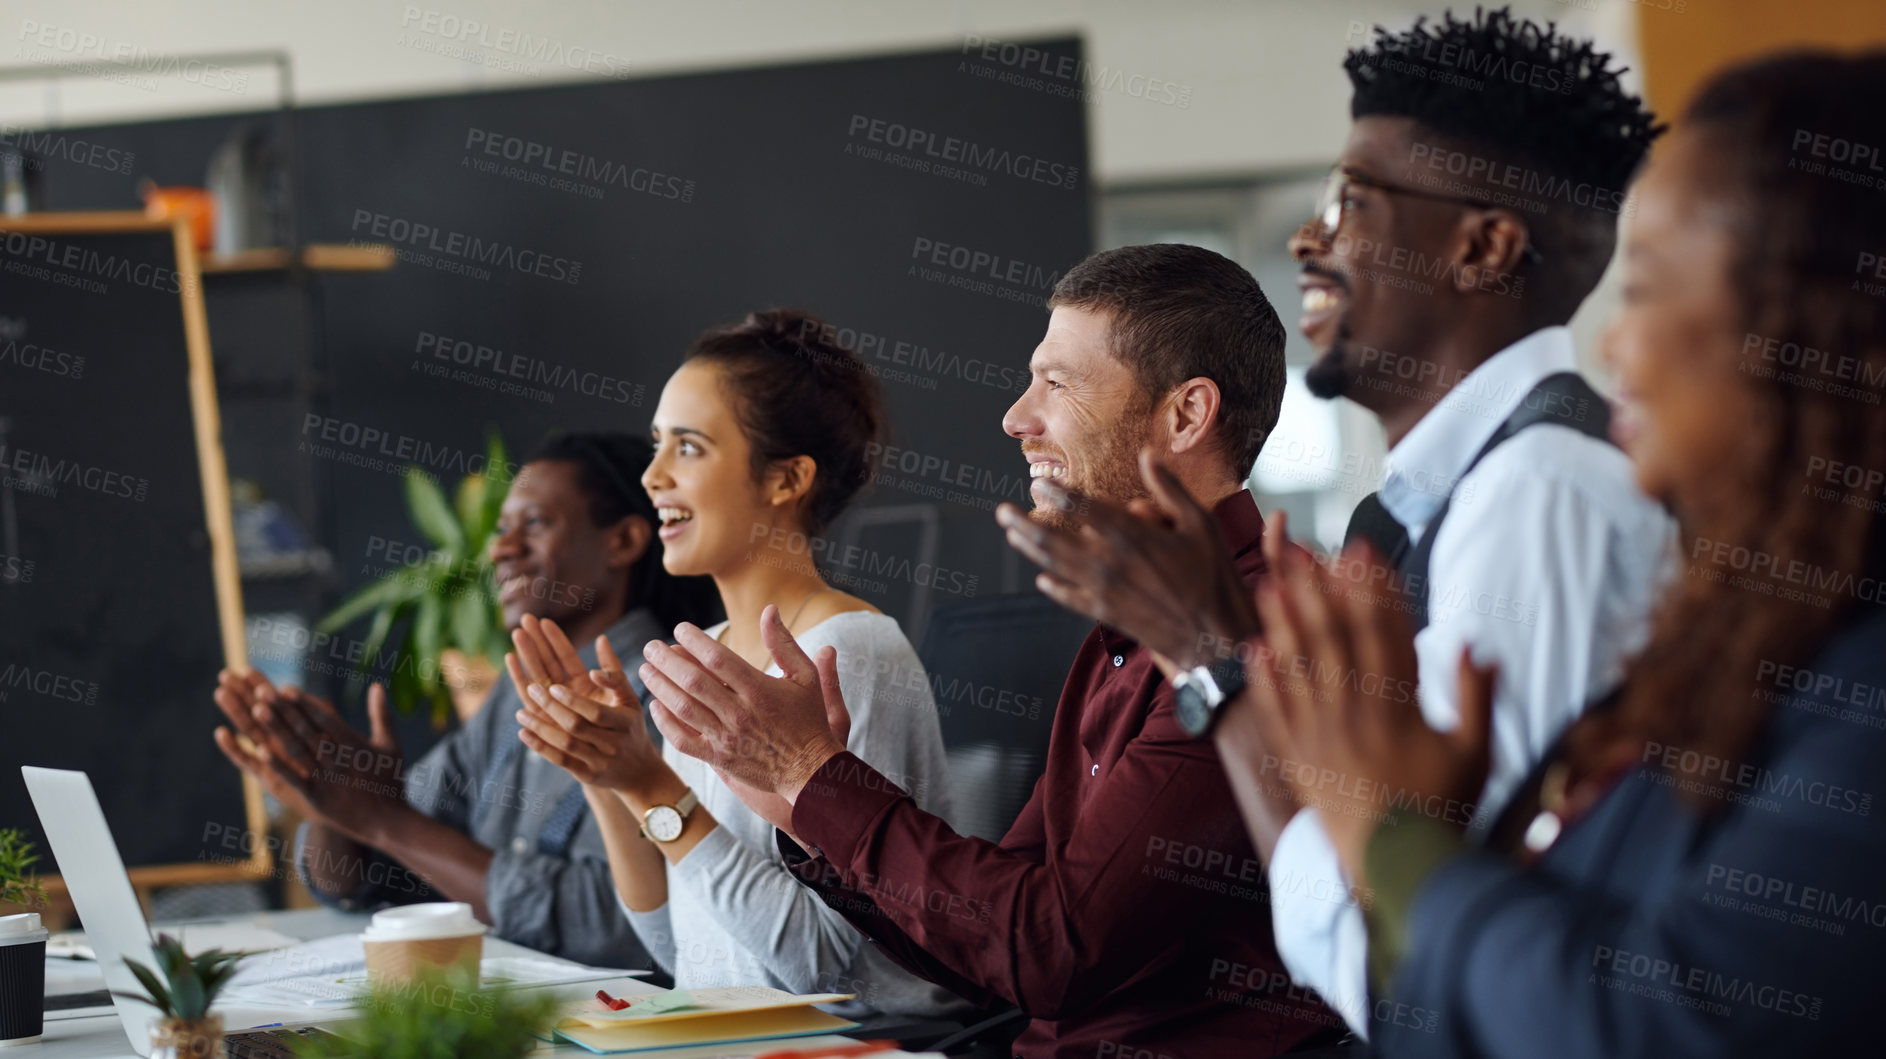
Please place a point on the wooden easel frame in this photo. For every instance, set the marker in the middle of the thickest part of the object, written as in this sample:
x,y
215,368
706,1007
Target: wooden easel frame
x,y
217,513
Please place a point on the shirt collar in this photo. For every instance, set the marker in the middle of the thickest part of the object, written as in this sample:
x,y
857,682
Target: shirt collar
x,y
1430,459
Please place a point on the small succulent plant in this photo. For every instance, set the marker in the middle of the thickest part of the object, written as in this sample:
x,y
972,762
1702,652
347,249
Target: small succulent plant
x,y
189,984
442,1015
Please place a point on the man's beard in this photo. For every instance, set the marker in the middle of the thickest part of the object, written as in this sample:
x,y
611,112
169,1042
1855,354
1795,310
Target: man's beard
x,y
1110,473
1328,376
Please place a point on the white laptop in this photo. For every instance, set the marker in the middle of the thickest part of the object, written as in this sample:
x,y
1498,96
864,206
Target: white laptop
x,y
94,875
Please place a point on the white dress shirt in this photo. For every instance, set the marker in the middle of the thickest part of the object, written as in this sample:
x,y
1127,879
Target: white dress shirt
x,y
1547,564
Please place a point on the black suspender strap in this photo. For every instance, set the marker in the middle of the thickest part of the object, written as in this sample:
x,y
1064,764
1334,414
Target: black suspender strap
x,y
1564,398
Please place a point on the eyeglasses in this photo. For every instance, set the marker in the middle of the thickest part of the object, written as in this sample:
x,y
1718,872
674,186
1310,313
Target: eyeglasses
x,y
1335,202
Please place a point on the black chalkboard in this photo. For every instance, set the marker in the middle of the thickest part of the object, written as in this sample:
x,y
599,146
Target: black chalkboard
x,y
110,628
922,202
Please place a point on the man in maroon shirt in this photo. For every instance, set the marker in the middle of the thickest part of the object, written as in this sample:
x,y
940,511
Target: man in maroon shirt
x,y
1125,912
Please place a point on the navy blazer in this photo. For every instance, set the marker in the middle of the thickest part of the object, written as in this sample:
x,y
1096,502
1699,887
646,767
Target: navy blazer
x,y
1649,929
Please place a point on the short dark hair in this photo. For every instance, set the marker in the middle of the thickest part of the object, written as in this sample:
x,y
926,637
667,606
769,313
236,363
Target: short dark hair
x,y
796,390
1521,94
609,466
1183,312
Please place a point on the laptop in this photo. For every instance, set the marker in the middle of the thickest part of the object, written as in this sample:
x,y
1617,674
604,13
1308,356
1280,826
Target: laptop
x,y
94,875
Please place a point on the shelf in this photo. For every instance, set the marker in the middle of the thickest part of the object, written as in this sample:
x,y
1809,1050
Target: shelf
x,y
325,257
280,566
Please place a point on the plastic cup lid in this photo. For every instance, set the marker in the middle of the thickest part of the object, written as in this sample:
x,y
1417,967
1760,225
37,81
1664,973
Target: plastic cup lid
x,y
19,925
438,919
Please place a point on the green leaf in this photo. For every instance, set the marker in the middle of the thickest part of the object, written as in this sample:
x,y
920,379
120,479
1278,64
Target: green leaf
x,y
158,997
392,590
170,956
429,511
403,689
428,638
376,637
186,992
472,617
469,505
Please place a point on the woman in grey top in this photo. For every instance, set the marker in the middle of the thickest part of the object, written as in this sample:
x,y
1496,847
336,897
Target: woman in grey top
x,y
762,436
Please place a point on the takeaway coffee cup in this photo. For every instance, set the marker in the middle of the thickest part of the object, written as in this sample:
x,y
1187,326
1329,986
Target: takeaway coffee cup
x,y
22,978
407,939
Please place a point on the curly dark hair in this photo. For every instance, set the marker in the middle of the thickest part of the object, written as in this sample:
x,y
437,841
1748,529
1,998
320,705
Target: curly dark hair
x,y
1799,236
1551,99
797,390
1521,94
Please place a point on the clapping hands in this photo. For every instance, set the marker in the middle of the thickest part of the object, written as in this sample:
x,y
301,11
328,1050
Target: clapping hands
x,y
585,721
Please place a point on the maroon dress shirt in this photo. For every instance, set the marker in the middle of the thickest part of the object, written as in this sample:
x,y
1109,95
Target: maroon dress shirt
x,y
1126,912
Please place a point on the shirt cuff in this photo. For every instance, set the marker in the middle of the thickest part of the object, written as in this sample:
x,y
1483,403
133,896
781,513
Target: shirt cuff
x,y
1405,849
836,808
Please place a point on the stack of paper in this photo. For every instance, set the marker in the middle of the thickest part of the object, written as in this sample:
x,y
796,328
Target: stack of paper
x,y
680,1018
332,972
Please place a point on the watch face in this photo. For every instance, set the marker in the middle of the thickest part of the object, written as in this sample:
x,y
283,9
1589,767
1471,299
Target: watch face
x,y
663,824
1194,715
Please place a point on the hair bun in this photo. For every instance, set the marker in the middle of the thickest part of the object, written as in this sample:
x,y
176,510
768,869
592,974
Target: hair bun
x,y
800,391
804,337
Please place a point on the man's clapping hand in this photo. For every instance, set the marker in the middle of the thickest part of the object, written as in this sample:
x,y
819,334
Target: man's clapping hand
x,y
768,734
309,758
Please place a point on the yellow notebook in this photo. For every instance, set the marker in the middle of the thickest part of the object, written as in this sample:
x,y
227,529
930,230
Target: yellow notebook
x,y
683,1017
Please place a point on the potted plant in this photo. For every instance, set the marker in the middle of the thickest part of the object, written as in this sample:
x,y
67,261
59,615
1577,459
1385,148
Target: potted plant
x,y
22,944
454,636
183,997
17,887
441,1014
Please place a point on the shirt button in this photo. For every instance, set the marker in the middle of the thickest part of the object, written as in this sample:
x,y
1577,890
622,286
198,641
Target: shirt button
x,y
1095,772
1118,661
520,845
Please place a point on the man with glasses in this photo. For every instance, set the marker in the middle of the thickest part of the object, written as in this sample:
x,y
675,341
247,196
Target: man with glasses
x,y
1473,209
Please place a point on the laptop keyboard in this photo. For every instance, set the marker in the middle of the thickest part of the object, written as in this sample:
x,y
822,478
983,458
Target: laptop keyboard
x,y
274,1043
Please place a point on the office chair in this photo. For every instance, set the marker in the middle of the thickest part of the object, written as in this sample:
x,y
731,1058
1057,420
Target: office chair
x,y
996,667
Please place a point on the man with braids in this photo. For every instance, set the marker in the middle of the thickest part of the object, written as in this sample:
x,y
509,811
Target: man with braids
x,y
481,819
1473,209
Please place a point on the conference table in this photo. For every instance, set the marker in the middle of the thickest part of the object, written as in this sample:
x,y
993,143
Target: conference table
x,y
97,1035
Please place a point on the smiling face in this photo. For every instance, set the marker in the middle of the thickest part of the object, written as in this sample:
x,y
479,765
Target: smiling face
x,y
1683,402
701,479
1381,284
1084,417
550,558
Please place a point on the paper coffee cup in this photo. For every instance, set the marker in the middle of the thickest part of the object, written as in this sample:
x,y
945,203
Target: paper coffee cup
x,y
22,979
405,940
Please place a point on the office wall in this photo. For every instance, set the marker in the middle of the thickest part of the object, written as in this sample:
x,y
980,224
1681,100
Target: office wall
x,y
543,298
1181,89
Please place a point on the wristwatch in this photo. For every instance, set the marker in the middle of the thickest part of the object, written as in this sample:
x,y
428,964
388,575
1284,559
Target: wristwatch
x,y
664,823
1203,689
